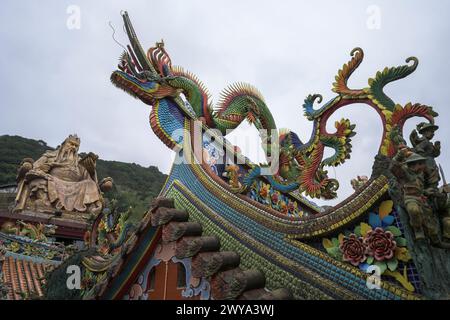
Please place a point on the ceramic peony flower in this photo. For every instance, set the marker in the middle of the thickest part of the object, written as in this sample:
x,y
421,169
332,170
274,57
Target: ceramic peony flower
x,y
380,244
353,249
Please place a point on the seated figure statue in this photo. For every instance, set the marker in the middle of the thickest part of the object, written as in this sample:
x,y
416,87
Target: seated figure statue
x,y
61,181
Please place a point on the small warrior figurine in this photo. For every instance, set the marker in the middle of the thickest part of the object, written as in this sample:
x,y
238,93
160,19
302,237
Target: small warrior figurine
x,y
424,147
409,169
438,199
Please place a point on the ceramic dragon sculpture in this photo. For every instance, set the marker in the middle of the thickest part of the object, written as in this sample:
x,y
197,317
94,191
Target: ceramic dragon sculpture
x,y
150,77
308,174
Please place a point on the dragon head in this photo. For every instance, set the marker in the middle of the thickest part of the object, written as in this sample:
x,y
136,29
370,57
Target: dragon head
x,y
140,74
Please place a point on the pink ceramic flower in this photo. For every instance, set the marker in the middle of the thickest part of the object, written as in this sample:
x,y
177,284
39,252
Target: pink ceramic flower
x,y
353,249
380,244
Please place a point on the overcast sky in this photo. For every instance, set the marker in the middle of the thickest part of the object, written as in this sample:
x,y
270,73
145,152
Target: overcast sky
x,y
55,81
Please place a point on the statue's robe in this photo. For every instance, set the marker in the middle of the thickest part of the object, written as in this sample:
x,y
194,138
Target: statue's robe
x,y
71,188
60,184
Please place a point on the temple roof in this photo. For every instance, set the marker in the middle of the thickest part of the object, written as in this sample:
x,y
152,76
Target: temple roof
x,y
22,278
228,280
24,263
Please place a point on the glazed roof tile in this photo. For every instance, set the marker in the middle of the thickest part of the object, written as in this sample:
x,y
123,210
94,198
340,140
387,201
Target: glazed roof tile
x,y
23,278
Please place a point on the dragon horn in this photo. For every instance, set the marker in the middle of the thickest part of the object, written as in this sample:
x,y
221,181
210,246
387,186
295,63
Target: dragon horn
x,y
137,48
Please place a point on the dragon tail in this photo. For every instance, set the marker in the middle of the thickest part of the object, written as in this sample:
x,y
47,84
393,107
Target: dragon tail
x,y
255,173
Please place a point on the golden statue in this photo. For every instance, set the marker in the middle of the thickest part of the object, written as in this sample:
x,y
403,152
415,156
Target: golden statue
x,y
61,181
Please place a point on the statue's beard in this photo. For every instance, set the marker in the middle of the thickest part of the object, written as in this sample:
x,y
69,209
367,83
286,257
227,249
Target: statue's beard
x,y
68,155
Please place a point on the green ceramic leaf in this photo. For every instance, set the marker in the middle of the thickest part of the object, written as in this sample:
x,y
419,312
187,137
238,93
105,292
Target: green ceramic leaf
x,y
358,231
382,265
394,230
334,252
392,264
335,242
401,242
370,260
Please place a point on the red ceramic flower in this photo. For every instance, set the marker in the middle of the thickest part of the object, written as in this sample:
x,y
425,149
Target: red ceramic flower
x,y
353,249
274,197
380,244
291,206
